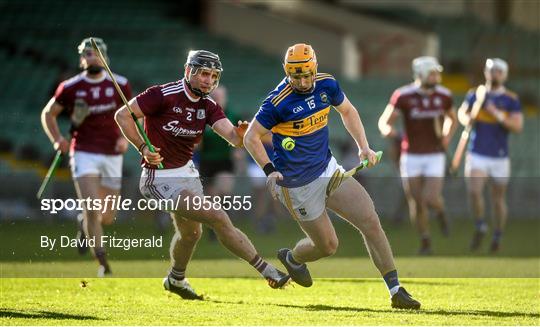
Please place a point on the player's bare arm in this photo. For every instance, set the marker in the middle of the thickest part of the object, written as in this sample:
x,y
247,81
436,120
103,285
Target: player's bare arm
x,y
130,132
233,135
50,125
387,120
449,127
463,114
353,124
254,145
513,122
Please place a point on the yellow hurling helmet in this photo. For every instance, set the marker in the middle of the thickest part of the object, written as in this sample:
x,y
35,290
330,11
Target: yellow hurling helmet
x,y
300,58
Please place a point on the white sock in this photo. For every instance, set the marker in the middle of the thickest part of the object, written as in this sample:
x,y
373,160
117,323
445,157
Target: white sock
x,y
270,272
394,290
288,259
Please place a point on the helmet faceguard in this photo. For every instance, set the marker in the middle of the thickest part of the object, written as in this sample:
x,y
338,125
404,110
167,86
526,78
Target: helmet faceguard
x,y
496,64
300,61
199,60
86,45
423,66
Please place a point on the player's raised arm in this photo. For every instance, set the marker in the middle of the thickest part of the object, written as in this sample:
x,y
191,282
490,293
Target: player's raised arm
x,y
353,124
49,115
129,129
232,134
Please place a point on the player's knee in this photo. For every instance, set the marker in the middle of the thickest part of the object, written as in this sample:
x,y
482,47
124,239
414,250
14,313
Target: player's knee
x,y
193,235
329,247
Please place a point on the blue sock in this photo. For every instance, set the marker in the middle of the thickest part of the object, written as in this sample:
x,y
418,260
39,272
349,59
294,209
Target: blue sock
x,y
392,281
480,225
497,235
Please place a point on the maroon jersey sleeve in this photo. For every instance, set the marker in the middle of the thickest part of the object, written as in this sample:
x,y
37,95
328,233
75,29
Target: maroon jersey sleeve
x,y
395,99
60,95
127,91
215,113
448,103
150,101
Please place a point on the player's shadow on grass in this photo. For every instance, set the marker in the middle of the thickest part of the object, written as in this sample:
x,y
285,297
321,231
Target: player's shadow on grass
x,y
7,313
324,307
378,281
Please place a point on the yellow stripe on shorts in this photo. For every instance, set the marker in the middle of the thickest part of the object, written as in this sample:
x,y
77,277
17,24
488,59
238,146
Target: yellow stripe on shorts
x,y
288,202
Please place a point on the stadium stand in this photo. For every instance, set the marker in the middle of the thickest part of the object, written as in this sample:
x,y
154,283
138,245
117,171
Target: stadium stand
x,y
38,45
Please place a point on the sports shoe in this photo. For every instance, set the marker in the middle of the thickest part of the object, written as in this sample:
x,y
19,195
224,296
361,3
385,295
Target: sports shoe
x,y
280,281
299,274
182,288
82,245
403,300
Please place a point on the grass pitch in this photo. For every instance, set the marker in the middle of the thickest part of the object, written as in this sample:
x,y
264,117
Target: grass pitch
x,y
455,287
248,301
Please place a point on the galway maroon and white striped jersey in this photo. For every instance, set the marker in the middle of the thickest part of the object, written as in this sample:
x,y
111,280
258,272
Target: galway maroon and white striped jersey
x,y
98,132
175,122
422,114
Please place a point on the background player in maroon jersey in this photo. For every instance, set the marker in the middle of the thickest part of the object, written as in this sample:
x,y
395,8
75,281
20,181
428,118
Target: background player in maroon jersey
x,y
96,145
175,115
430,121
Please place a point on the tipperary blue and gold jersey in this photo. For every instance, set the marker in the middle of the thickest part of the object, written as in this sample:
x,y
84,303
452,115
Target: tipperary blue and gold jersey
x,y
304,118
489,138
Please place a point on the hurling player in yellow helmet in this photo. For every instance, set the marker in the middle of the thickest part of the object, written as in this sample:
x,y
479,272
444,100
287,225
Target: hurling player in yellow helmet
x,y
307,179
300,65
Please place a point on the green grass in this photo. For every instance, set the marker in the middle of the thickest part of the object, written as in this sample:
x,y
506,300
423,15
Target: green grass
x,y
455,286
248,301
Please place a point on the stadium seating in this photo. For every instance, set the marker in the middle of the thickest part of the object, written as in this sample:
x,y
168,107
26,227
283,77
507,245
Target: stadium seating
x,y
38,42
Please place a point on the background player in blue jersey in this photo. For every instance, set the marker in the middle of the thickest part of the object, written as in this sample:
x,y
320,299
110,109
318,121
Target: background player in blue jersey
x,y
488,148
305,176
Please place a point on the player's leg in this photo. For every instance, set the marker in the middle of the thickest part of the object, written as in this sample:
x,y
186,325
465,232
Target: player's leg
x,y
476,176
187,234
232,238
414,187
110,167
351,202
88,186
500,211
108,216
433,194
500,172
321,240
412,168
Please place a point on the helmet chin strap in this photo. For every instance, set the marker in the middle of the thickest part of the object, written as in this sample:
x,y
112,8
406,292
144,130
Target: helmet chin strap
x,y
195,91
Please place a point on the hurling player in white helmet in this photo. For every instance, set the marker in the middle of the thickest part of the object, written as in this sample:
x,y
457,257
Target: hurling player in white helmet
x,y
96,147
429,121
488,154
